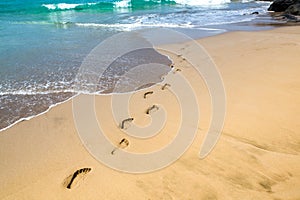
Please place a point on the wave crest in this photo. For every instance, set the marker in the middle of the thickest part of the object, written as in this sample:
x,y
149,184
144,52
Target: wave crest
x,y
130,4
65,6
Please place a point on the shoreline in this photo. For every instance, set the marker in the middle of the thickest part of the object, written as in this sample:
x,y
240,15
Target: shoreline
x,y
256,157
225,27
272,27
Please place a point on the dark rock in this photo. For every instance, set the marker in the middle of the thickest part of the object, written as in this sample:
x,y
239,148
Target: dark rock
x,y
293,9
280,5
255,13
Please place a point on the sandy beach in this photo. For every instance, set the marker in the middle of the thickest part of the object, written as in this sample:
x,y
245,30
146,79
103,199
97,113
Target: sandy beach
x,y
256,157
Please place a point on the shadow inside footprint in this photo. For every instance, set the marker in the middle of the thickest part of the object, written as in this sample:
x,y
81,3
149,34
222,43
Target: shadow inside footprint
x,y
74,179
152,109
122,125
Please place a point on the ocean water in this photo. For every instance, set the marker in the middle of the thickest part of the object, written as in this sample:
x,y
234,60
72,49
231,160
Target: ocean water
x,y
43,42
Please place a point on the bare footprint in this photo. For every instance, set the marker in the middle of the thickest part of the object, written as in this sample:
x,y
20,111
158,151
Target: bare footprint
x,y
74,179
152,109
147,93
122,145
125,121
175,70
165,85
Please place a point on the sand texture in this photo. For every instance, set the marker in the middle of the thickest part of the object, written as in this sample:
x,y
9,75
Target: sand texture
x,y
256,157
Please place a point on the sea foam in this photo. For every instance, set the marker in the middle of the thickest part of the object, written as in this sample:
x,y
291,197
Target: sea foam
x,y
202,2
127,4
64,6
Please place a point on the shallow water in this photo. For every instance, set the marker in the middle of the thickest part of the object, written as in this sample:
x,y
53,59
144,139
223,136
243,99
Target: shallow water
x,y
43,43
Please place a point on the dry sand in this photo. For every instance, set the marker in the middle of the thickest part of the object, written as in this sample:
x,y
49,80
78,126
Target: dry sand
x,y
257,156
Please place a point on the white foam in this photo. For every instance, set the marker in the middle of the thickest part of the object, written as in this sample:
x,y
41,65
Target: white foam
x,y
123,4
202,2
64,6
129,27
99,93
31,92
50,6
127,4
67,6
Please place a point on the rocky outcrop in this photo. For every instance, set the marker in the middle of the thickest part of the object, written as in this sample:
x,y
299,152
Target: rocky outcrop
x,y
293,9
286,10
280,5
287,6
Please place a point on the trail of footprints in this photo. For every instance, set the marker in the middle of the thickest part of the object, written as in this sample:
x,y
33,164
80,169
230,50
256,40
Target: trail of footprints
x,y
78,176
126,122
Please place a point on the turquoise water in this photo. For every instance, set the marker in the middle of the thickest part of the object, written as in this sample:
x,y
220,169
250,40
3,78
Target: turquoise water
x,y
43,42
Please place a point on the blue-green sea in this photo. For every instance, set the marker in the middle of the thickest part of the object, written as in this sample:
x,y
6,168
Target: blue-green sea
x,y
43,42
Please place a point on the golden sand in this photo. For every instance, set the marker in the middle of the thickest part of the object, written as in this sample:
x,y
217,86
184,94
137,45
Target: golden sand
x,y
257,156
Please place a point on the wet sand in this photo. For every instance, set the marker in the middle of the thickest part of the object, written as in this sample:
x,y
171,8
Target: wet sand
x,y
256,157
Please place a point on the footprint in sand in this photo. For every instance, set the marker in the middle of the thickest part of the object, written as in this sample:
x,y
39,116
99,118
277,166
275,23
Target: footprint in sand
x,y
165,86
125,121
76,178
147,93
152,109
175,70
122,145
